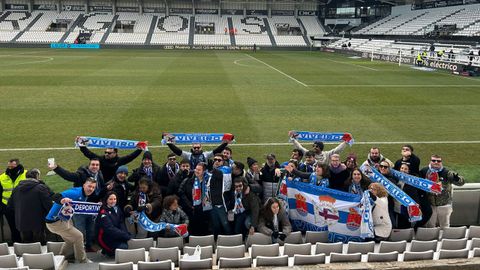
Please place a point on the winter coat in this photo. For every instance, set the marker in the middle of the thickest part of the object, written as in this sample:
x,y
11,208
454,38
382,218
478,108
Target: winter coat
x,y
447,178
30,201
413,164
265,224
164,179
381,219
139,173
80,176
112,231
153,203
251,203
123,190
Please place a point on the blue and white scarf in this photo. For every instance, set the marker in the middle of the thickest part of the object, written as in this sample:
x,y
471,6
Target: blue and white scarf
x,y
420,183
366,227
206,199
149,172
355,189
188,138
151,226
142,199
414,212
318,182
96,142
238,209
320,136
78,208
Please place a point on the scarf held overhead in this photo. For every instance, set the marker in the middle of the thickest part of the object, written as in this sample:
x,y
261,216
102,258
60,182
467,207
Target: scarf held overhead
x,y
188,138
420,183
96,142
148,225
414,212
323,136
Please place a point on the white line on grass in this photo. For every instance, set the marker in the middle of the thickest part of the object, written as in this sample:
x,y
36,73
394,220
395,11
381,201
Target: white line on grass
x,y
237,62
252,144
398,85
279,71
351,64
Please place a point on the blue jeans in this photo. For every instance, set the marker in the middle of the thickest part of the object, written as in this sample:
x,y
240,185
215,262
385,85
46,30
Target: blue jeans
x,y
220,224
86,225
242,223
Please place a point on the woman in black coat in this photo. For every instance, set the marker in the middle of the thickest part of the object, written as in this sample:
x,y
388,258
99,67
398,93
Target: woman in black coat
x,y
112,232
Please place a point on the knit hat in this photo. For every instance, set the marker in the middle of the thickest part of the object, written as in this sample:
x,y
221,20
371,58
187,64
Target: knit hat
x,y
122,169
147,155
251,161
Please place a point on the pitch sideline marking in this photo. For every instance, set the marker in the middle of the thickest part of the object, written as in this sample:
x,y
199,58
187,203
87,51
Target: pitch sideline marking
x,y
47,59
277,70
397,85
254,144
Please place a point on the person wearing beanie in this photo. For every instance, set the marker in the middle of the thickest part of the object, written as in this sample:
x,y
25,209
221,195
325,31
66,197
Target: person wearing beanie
x,y
120,186
322,157
148,169
351,162
253,177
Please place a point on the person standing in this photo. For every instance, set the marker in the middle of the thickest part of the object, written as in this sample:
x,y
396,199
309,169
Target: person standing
x,y
410,159
30,202
13,175
322,157
441,203
57,223
168,173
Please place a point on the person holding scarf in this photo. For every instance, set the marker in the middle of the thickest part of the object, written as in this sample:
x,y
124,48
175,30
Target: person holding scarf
x,y
196,201
381,219
273,221
112,232
357,183
317,178
401,220
196,154
146,198
172,214
11,178
245,206
442,203
148,170
168,173
322,157
219,185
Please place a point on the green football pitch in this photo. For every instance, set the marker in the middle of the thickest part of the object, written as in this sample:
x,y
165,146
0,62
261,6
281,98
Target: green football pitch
x,y
50,96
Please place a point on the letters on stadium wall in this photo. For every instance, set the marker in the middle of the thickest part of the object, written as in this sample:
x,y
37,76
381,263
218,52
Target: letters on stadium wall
x,y
232,12
45,7
443,3
255,12
208,47
100,8
154,10
73,8
16,7
180,10
283,12
127,9
206,11
307,13
436,64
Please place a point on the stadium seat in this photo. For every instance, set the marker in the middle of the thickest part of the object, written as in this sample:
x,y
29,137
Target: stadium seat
x,y
129,255
417,256
259,239
166,242
386,246
300,249
427,234
327,248
473,232
206,251
475,243
294,238
339,257
7,261
33,248
382,257
42,261
145,243
202,241
160,265
264,250
476,252
162,254
452,254
360,247
272,261
308,259
421,246
453,244
454,232
115,266
201,264
54,247
230,252
402,234
229,240
314,237
243,262
4,249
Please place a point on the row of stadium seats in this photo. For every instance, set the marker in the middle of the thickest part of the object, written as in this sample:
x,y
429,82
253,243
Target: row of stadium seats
x,y
419,22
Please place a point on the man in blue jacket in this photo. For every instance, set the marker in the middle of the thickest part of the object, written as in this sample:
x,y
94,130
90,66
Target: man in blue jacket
x,y
59,224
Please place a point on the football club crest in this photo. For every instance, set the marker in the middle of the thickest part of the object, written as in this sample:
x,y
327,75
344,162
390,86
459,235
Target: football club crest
x,y
354,219
301,204
325,211
66,212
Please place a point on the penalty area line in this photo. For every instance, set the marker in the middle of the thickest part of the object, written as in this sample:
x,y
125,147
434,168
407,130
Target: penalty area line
x,y
277,70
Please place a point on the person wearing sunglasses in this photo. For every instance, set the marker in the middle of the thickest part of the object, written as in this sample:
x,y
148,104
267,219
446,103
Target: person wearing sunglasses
x,y
322,157
441,203
168,173
110,161
244,206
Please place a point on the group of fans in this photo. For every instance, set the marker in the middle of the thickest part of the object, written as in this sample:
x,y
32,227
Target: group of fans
x,y
209,191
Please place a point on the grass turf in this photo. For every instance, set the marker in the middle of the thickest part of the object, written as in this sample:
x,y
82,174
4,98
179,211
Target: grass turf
x,y
50,96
